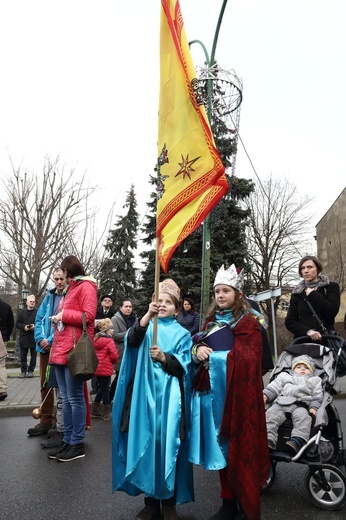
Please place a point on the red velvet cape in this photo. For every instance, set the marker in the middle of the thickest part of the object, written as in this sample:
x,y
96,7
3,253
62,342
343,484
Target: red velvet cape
x,y
243,420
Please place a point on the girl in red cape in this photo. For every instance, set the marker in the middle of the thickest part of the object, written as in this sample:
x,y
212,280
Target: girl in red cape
x,y
234,378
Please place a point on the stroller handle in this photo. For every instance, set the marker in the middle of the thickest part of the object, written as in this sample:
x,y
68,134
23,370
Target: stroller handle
x,y
325,338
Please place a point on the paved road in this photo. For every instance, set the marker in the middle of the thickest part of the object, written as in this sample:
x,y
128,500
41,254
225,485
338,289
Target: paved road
x,y
36,488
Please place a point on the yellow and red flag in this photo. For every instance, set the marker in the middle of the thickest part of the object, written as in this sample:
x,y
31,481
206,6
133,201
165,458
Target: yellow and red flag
x,y
191,177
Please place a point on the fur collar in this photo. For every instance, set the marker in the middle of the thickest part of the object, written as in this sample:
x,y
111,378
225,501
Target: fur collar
x,y
323,280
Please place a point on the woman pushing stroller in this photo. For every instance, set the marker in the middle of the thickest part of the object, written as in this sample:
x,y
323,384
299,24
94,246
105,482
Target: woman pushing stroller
x,y
314,303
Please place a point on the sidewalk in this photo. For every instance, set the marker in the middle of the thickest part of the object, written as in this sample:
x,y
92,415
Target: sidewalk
x,y
23,395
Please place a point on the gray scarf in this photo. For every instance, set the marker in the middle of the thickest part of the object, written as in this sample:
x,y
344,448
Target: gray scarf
x,y
322,281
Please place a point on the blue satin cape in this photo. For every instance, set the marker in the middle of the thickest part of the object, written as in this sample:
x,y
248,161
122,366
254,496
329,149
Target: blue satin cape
x,y
150,458
206,448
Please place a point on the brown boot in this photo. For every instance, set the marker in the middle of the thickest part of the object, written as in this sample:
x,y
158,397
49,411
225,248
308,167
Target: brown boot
x,y
96,410
105,413
149,512
169,513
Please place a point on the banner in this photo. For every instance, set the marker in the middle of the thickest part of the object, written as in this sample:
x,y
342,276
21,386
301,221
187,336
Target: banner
x,y
191,176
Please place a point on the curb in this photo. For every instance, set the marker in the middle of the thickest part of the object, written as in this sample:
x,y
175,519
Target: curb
x,y
16,411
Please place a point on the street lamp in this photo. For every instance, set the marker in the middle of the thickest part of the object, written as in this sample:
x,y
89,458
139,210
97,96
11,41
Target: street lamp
x,y
25,294
224,103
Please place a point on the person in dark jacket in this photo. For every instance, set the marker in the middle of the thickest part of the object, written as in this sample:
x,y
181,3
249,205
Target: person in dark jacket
x,y
188,317
26,324
122,321
314,289
6,320
106,309
6,327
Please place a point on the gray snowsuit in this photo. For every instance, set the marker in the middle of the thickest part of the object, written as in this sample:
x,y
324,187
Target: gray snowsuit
x,y
291,393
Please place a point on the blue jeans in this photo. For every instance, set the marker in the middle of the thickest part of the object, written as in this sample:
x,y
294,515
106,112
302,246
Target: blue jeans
x,y
73,405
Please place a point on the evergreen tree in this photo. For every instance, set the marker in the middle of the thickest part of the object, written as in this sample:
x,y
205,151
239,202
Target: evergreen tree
x,y
228,244
117,273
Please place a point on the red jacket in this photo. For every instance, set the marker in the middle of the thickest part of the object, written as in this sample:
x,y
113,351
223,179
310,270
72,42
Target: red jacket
x,y
107,354
81,297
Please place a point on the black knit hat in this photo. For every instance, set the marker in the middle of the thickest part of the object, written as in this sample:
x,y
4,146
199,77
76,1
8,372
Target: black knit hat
x,y
107,296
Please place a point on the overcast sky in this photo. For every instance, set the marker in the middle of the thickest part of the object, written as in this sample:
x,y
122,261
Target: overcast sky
x,y
80,79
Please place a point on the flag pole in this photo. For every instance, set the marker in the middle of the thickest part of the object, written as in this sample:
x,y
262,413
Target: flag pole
x,y
205,285
160,161
156,288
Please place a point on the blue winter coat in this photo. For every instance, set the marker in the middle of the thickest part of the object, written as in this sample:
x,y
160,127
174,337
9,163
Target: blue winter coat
x,y
43,325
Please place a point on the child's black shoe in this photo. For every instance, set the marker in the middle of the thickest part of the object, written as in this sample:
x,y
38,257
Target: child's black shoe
x,y
293,445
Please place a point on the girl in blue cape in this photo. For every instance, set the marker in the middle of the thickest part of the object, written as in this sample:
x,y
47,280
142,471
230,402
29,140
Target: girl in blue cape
x,y
151,411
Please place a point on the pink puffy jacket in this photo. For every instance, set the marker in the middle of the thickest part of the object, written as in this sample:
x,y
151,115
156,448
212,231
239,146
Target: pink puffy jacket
x,y
81,297
107,354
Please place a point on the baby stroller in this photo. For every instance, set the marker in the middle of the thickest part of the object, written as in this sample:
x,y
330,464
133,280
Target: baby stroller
x,y
324,454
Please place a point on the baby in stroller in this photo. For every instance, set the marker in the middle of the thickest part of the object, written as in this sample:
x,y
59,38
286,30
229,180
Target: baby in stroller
x,y
317,440
298,393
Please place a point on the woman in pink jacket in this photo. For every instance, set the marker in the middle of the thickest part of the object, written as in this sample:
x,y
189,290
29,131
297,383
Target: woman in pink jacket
x,y
108,355
81,296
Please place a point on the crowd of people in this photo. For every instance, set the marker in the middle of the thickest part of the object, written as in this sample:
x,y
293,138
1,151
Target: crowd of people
x,y
178,391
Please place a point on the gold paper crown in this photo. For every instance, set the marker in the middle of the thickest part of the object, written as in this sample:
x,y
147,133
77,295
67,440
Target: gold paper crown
x,y
230,277
170,287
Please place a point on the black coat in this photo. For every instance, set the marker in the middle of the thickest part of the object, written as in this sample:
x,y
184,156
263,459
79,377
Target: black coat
x,y
325,301
26,337
6,320
189,321
100,314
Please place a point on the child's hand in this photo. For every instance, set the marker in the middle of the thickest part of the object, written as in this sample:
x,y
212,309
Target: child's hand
x,y
153,308
203,352
156,354
313,411
265,398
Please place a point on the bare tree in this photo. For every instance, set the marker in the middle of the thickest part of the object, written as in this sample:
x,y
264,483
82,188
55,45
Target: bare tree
x,y
279,222
42,219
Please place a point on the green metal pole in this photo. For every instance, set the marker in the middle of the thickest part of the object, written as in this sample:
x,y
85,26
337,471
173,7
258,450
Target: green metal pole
x,y
206,224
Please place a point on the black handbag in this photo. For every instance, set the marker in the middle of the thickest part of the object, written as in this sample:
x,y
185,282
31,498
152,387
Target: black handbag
x,y
338,344
82,361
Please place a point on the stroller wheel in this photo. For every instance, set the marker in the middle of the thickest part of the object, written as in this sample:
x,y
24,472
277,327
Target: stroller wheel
x,y
326,487
270,480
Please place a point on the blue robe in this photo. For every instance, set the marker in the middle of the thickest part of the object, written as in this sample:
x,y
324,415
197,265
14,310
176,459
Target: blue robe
x,y
150,458
206,448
